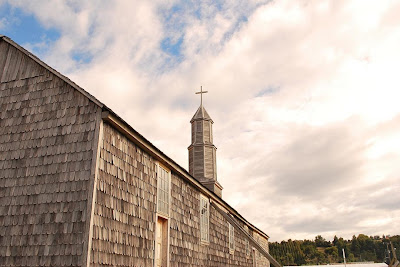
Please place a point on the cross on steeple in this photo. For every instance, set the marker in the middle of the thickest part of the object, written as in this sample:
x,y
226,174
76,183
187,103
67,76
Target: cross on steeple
x,y
201,94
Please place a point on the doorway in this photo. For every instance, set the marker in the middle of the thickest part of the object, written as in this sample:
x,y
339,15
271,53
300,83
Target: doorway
x,y
161,242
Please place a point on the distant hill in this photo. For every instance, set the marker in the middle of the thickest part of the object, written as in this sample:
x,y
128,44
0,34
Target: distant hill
x,y
320,251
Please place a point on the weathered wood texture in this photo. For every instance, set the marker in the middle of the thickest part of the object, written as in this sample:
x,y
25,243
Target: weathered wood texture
x,y
219,243
185,245
202,152
244,230
46,141
202,164
48,147
185,248
261,260
124,222
124,215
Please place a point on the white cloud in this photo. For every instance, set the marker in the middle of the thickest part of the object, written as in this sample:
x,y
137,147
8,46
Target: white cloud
x,y
304,95
3,23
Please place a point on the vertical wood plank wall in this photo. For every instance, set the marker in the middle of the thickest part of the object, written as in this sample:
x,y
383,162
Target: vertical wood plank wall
x,y
46,141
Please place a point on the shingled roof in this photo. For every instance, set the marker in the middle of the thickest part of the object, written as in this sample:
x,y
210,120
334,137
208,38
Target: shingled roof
x,y
111,117
201,114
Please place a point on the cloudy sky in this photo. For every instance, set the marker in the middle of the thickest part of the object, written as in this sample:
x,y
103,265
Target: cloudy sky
x,y
305,96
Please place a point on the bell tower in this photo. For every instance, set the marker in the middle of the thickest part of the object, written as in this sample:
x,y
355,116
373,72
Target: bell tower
x,y
202,152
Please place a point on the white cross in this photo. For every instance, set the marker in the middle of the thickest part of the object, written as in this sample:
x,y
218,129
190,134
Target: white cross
x,y
201,94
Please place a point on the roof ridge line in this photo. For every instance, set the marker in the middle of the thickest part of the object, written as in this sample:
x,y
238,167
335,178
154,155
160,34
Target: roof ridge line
x,y
52,70
104,107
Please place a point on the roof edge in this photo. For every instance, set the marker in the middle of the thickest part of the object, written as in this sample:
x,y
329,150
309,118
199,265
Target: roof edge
x,y
109,116
117,121
59,75
202,116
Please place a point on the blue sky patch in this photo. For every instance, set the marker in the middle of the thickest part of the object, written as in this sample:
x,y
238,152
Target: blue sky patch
x,y
24,28
172,47
82,57
268,91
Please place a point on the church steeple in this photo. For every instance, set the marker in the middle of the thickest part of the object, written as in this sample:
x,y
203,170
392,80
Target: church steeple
x,y
202,152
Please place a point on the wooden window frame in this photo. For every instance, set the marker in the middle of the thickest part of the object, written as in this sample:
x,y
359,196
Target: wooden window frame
x,y
161,212
205,241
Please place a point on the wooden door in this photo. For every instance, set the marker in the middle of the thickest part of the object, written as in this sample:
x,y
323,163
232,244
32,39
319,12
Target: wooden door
x,y
161,242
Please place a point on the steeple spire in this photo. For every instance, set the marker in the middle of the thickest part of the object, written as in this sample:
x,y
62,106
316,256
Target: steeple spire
x,y
202,152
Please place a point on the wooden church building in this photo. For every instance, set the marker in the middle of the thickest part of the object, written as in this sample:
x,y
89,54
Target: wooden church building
x,y
80,187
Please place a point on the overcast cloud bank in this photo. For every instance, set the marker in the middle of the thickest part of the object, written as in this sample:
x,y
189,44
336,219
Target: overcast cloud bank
x,y
304,96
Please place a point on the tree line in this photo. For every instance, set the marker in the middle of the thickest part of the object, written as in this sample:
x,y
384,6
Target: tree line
x,y
320,251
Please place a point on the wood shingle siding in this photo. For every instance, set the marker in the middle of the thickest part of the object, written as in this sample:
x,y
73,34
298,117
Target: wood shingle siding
x,y
261,260
47,130
185,245
78,185
124,215
185,248
124,222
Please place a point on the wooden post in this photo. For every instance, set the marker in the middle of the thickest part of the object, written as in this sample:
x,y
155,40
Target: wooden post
x,y
92,192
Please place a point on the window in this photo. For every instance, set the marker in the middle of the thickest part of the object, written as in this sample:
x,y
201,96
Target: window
x,y
204,218
199,126
231,239
163,190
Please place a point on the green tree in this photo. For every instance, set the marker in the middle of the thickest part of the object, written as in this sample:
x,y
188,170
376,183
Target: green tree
x,y
333,254
321,251
288,259
351,257
355,246
321,242
321,258
335,240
